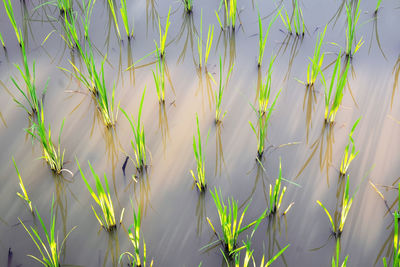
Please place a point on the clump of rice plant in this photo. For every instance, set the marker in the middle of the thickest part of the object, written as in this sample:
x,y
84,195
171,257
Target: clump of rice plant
x,y
265,89
138,258
2,41
276,193
103,198
51,153
262,123
30,95
163,37
396,240
188,5
200,179
231,224
159,78
298,26
112,9
219,93
210,36
314,66
71,29
339,79
51,252
65,6
347,201
230,13
262,39
124,15
139,146
335,263
10,13
348,155
24,196
352,20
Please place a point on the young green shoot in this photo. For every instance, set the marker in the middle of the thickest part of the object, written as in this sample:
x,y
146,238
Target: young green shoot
x,y
24,196
112,9
103,198
219,93
335,263
200,179
348,155
230,13
124,15
396,239
51,252
71,29
51,153
352,20
345,208
262,39
316,62
378,4
276,193
297,19
65,6
87,9
159,78
339,79
265,89
139,142
10,13
210,36
138,258
163,37
188,5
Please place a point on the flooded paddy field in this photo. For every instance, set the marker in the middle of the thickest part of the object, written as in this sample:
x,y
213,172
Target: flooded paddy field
x,y
80,71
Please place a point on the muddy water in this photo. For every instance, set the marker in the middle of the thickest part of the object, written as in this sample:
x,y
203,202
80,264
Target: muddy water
x,y
174,219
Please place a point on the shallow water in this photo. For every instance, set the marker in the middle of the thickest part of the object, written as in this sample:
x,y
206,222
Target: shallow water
x,y
174,219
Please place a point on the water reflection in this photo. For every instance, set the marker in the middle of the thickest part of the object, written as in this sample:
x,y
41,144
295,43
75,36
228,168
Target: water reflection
x,y
189,27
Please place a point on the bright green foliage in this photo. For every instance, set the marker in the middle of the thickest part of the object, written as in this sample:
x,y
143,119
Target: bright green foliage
x,y
348,155
339,79
396,240
112,9
188,5
87,10
124,15
200,180
31,94
250,258
265,89
219,93
210,36
64,6
50,253
136,259
352,20
230,13
378,4
103,198
298,26
163,37
24,196
262,39
2,41
71,29
159,78
51,153
139,142
10,13
316,62
335,263
231,224
276,193
345,208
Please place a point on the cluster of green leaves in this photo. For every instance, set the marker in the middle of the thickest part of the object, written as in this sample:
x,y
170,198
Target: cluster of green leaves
x,y
219,93
124,15
265,89
188,5
210,36
71,26
298,26
230,13
65,6
103,199
50,253
314,67
87,11
396,240
139,146
134,230
24,196
262,39
51,153
339,77
352,19
200,179
163,37
347,201
348,155
159,77
276,193
10,13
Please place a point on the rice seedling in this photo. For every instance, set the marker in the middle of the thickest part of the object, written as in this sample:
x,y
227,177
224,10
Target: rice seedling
x,y
265,89
347,201
10,13
262,39
298,26
396,244
163,37
71,33
210,36
87,10
24,196
159,78
219,93
231,224
261,132
316,62
103,199
378,4
348,155
276,193
124,15
2,41
352,20
139,146
200,180
51,153
339,78
335,263
30,95
134,230
230,13
188,5
65,6
51,252
112,10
